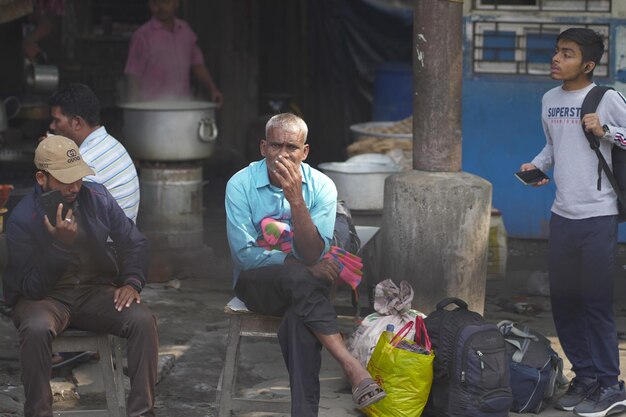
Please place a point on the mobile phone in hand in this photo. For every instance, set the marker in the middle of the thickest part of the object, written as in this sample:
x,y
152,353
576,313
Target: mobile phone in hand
x,y
50,201
532,176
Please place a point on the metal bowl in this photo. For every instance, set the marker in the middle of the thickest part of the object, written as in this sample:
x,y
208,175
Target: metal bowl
x,y
361,131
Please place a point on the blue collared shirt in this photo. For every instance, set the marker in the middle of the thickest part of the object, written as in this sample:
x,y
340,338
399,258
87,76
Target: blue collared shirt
x,y
250,198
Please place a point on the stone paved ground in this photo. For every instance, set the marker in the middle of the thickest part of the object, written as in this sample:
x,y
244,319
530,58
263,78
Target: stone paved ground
x,y
193,333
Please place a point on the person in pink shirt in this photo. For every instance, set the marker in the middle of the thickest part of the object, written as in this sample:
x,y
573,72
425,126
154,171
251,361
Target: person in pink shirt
x,y
162,54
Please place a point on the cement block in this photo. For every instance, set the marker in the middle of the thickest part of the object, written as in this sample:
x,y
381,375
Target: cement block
x,y
435,235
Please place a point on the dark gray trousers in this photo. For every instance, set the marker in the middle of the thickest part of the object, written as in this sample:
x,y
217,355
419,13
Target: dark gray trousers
x,y
302,300
39,321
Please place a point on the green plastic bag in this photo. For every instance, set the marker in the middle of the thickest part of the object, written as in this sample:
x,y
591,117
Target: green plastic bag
x,y
405,376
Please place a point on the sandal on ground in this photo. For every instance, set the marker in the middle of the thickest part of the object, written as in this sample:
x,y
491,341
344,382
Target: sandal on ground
x,y
367,392
70,359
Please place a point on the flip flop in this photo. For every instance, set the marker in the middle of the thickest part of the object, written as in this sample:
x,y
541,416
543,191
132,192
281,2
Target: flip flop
x,y
367,392
71,359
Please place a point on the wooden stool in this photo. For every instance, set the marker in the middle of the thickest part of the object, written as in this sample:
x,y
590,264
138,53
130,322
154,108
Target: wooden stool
x,y
243,323
109,349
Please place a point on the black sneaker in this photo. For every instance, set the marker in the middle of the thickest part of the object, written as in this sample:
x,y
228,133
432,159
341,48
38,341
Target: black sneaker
x,y
603,401
578,390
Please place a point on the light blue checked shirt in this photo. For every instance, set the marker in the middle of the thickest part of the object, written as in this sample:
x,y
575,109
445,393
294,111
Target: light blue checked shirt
x,y
114,169
250,198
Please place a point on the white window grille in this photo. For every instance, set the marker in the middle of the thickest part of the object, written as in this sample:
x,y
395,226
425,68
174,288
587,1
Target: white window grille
x,y
524,48
546,5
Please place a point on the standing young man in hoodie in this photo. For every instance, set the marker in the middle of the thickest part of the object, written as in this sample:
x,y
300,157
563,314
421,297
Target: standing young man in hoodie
x,y
583,225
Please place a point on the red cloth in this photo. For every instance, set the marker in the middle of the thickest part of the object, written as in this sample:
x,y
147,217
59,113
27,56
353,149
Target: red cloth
x,y
278,236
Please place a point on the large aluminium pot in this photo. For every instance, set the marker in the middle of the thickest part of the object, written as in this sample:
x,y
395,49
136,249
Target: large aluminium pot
x,y
169,131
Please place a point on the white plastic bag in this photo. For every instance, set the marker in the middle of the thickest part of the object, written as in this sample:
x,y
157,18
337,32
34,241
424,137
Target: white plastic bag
x,y
393,306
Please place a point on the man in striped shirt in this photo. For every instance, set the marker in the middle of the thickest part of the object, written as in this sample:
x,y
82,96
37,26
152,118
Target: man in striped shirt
x,y
75,112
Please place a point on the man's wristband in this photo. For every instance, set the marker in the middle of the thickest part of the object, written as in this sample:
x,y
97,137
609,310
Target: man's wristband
x,y
134,282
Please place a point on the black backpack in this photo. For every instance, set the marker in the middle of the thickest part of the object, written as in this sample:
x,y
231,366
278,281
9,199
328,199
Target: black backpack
x,y
617,178
470,370
536,369
344,234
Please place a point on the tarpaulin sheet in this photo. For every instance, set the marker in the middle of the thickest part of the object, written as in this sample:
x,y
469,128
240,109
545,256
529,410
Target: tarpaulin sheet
x,y
347,41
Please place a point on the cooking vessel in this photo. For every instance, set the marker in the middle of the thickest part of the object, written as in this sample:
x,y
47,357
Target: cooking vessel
x,y
42,78
360,181
169,131
16,156
4,116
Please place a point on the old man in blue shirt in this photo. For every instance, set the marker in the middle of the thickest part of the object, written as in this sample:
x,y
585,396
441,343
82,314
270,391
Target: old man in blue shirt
x,y
293,284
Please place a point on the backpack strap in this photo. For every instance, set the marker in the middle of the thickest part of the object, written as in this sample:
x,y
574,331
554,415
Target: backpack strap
x,y
590,104
520,349
557,379
507,328
451,300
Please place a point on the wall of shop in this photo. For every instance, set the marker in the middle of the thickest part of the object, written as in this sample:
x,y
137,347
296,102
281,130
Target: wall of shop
x,y
502,111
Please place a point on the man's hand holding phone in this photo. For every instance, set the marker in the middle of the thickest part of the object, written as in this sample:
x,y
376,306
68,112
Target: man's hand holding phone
x,y
529,174
65,228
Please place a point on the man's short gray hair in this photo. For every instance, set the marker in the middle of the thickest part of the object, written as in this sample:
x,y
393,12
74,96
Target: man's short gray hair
x,y
288,122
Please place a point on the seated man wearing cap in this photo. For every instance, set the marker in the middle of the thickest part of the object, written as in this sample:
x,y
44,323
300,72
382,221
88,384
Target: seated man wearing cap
x,y
61,273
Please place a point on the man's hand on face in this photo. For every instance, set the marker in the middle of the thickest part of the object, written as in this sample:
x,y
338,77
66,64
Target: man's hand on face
x,y
289,178
66,230
124,297
325,269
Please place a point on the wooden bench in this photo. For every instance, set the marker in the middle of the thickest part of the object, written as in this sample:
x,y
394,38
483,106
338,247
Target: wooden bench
x,y
109,348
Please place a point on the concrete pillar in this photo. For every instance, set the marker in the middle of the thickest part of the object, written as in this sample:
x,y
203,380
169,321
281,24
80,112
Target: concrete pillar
x,y
436,219
435,235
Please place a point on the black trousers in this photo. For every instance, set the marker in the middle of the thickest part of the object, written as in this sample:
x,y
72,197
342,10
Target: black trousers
x,y
302,300
582,265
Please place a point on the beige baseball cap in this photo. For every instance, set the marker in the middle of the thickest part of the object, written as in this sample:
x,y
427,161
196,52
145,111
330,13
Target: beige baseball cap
x,y
60,157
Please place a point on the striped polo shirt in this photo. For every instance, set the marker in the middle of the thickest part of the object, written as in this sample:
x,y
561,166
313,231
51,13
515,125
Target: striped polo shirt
x,y
114,169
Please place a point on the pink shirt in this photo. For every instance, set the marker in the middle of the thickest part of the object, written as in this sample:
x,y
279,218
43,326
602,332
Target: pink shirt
x,y
161,60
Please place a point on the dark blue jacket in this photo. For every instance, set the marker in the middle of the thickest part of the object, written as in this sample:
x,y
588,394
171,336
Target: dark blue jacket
x,y
37,261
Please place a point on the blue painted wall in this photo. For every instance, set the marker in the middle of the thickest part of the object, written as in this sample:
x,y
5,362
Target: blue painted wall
x,y
501,130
